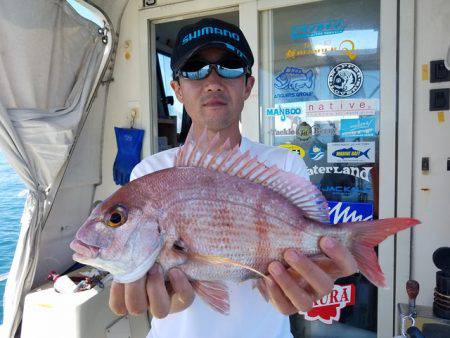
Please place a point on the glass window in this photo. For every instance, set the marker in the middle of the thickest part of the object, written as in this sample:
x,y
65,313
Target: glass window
x,y
319,97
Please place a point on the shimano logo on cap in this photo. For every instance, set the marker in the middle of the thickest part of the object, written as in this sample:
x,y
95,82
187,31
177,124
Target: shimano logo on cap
x,y
206,31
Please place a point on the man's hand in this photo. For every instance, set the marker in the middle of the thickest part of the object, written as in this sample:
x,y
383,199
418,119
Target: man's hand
x,y
151,291
294,289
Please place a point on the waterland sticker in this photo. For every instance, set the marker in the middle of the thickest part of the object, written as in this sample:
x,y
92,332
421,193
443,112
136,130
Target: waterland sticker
x,y
295,148
328,27
316,152
362,127
351,152
345,79
296,82
362,173
283,112
343,212
328,308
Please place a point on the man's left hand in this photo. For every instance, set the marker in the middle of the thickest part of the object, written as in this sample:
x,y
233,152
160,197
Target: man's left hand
x,y
294,289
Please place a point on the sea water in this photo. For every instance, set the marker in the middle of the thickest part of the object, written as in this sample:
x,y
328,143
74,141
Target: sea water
x,y
13,194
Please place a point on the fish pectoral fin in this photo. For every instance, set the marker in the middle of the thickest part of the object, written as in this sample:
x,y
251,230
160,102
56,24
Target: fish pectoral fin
x,y
213,259
215,294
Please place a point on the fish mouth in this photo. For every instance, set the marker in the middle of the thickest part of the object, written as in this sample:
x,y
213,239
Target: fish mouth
x,y
83,250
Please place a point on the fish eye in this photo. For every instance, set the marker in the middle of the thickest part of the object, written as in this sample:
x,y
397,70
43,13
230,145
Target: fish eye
x,y
117,218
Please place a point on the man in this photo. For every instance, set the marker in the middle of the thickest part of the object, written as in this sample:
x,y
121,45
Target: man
x,y
211,65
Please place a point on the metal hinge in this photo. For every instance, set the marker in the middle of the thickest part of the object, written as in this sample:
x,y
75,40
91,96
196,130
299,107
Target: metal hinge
x,y
103,31
148,3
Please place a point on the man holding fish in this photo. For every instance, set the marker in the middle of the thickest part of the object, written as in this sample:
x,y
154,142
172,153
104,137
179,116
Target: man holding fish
x,y
211,65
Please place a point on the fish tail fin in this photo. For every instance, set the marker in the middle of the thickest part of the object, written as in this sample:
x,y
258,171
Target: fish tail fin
x,y
366,235
366,153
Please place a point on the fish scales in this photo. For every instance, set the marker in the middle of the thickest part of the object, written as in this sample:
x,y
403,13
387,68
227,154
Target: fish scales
x,y
253,227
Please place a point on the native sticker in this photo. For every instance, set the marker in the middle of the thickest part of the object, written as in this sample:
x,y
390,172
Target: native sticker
x,y
295,148
316,152
345,79
294,82
343,212
328,308
362,127
351,152
304,131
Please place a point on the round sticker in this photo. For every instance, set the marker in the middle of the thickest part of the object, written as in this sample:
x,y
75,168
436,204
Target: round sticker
x,y
304,131
316,152
292,147
345,79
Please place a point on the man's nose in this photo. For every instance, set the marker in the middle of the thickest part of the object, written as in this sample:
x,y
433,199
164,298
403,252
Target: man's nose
x,y
213,82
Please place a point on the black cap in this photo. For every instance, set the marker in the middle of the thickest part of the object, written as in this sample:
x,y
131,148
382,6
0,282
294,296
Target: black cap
x,y
209,32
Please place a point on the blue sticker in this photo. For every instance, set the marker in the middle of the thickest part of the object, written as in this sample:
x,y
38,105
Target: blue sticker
x,y
362,127
333,26
343,212
296,82
343,190
316,152
283,112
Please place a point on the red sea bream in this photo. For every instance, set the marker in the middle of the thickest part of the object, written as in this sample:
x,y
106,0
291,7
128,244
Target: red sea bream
x,y
219,215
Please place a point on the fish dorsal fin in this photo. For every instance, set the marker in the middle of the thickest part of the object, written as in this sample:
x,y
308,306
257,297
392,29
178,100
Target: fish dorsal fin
x,y
223,158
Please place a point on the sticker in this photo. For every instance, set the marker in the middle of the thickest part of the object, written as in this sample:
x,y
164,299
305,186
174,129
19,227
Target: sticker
x,y
316,152
425,72
283,132
283,112
329,27
362,127
441,117
362,173
347,47
296,80
345,79
325,131
295,148
343,107
343,190
328,308
308,49
304,131
351,152
343,212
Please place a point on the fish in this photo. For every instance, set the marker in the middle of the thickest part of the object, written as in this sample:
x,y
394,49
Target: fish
x,y
220,216
294,79
350,153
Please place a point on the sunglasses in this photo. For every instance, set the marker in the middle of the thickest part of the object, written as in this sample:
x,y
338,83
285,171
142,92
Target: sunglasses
x,y
229,68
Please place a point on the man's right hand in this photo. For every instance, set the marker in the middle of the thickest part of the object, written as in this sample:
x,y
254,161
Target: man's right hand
x,y
151,291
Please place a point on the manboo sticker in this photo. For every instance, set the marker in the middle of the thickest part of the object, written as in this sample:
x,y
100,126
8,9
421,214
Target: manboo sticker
x,y
283,112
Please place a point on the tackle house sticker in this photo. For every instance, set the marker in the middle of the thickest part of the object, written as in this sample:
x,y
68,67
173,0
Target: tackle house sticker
x,y
329,307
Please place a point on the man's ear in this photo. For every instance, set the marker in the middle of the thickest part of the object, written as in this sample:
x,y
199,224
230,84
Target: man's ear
x,y
177,89
248,86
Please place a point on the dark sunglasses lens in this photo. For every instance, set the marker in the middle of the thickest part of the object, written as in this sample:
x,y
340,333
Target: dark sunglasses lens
x,y
197,74
231,68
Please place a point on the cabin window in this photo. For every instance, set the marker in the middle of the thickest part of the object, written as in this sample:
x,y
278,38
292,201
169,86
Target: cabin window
x,y
319,77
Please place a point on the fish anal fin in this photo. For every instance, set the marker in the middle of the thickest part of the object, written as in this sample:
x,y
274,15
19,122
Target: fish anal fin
x,y
215,294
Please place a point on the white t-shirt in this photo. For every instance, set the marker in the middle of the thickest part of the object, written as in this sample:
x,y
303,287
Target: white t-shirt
x,y
250,315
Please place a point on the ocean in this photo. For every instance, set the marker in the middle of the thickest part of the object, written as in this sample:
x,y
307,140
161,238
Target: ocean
x,y
12,199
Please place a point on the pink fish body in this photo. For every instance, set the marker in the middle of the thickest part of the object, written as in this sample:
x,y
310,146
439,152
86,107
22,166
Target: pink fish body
x,y
219,215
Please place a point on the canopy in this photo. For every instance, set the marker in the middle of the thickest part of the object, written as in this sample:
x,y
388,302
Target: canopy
x,y
51,61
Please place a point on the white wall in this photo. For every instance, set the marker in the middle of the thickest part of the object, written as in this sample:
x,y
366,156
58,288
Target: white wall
x,y
432,139
124,93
